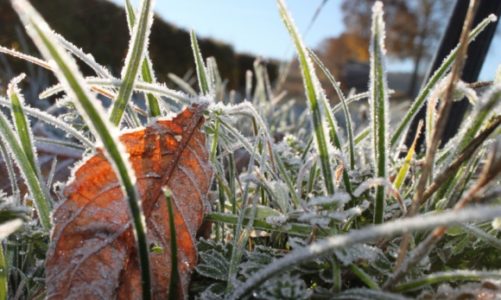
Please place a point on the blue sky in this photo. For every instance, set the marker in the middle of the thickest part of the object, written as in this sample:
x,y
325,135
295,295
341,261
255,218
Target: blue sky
x,y
254,26
251,26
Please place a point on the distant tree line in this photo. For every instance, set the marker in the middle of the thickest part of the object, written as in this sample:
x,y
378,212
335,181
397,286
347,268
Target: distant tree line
x,y
99,27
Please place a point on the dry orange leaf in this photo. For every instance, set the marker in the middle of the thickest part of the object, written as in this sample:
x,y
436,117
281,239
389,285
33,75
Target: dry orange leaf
x,y
93,254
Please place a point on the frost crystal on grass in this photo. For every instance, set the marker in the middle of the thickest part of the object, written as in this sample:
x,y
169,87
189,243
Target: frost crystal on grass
x,y
359,252
378,106
496,224
276,220
338,199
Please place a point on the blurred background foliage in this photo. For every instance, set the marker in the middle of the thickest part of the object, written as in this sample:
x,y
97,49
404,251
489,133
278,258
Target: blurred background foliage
x,y
99,27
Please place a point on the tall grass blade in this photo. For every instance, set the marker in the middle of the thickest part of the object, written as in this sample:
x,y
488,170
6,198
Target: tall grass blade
x,y
135,56
154,88
88,59
21,123
174,278
6,228
67,73
313,94
26,57
344,106
203,78
362,135
379,107
434,79
402,173
182,84
241,233
146,68
30,175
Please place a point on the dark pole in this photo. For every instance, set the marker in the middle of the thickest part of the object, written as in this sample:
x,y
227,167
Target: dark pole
x,y
476,57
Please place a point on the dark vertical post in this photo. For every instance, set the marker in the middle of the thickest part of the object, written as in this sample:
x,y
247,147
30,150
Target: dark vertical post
x,y
476,57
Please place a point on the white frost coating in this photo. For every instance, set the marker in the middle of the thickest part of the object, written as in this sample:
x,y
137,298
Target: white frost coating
x,y
154,88
311,158
276,220
247,109
377,14
15,81
496,224
378,100
9,227
88,59
212,76
51,120
339,199
371,183
358,252
146,12
14,91
463,90
25,57
372,233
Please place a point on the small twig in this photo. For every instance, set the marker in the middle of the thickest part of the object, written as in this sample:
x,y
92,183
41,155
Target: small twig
x,y
479,84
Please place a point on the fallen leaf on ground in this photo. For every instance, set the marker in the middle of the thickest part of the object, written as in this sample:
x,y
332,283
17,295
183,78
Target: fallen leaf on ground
x,y
93,254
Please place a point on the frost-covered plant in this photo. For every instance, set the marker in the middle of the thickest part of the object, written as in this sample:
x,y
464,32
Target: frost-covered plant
x,y
302,208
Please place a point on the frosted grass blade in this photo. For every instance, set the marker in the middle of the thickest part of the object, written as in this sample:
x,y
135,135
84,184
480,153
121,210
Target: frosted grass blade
x,y
174,278
26,57
30,176
389,229
155,88
10,172
182,84
379,107
51,120
21,123
67,73
84,57
146,68
434,79
6,228
344,106
402,173
313,95
203,78
135,56
362,135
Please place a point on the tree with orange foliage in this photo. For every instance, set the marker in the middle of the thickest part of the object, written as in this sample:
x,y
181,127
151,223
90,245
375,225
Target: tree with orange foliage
x,y
336,52
412,27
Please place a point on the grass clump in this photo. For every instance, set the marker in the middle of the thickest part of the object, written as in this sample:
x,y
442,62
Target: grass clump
x,y
298,212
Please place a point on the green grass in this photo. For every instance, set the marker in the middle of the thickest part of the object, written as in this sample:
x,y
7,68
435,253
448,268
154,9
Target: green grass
x,y
295,217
